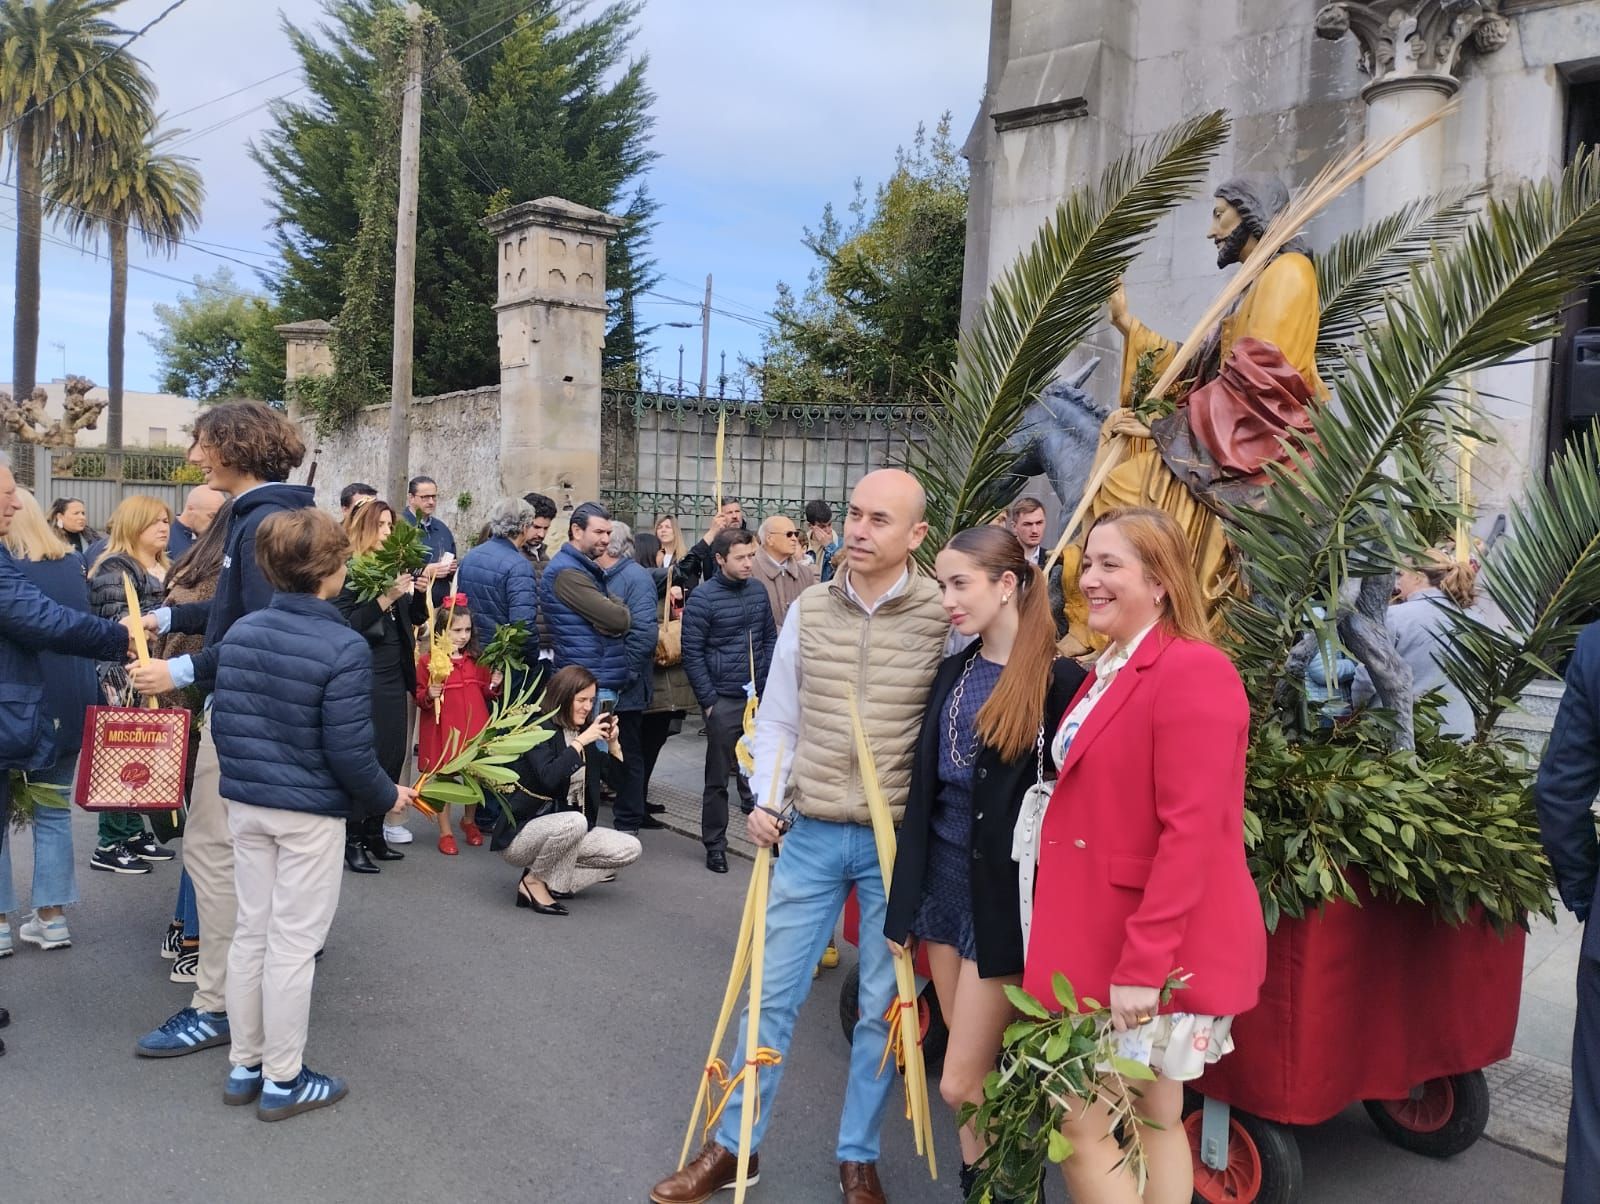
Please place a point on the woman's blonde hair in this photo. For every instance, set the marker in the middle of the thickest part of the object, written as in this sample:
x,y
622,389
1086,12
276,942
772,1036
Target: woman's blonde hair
x,y
132,517
1164,554
361,524
677,549
31,536
1458,579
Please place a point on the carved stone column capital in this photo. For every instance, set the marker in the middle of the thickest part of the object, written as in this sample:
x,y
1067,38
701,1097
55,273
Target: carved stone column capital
x,y
1414,43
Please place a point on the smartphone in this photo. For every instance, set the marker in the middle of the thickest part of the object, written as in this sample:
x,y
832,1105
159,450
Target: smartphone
x,y
608,706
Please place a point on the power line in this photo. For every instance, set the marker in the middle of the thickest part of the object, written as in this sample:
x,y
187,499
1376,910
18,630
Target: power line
x,y
194,244
134,267
206,104
95,66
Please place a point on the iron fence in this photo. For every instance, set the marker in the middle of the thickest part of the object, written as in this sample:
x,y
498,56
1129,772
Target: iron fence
x,y
658,452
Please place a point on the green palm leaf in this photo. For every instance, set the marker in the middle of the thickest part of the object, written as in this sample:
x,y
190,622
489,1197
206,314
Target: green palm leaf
x,y
1363,267
1545,576
1038,311
1351,504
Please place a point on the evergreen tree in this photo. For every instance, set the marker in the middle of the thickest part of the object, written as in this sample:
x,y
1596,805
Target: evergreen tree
x,y
516,107
882,309
218,342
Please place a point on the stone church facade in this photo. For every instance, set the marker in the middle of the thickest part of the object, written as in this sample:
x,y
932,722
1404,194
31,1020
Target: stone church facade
x,y
1072,84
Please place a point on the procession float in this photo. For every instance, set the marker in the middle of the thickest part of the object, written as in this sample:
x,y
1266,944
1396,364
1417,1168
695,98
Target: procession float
x,y
1314,434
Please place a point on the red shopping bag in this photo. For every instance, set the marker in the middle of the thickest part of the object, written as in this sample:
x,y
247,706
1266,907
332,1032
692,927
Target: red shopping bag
x,y
133,759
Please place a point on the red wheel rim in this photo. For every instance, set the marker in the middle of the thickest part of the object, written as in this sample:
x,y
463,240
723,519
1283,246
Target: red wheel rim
x,y
1238,1182
1429,1112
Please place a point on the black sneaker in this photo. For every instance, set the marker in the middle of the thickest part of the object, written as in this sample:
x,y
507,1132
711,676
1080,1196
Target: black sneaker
x,y
717,862
147,848
117,859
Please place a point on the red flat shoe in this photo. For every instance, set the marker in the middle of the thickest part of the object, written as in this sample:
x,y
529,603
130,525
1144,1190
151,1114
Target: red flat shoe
x,y
473,834
447,845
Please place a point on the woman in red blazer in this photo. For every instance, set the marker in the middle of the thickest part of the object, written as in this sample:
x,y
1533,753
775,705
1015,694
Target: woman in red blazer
x,y
1141,868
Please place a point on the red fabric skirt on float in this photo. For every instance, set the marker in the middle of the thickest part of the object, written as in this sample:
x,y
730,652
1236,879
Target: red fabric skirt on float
x,y
1367,1003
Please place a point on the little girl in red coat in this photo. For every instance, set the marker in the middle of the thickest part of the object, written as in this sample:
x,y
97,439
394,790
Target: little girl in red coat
x,y
451,712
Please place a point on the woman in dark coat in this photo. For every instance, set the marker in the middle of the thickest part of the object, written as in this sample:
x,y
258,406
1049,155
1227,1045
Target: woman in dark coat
x,y
389,624
136,550
981,748
551,834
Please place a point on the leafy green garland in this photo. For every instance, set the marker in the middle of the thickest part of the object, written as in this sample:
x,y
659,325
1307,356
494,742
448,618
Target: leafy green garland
x,y
479,770
373,572
1450,826
28,796
1050,1062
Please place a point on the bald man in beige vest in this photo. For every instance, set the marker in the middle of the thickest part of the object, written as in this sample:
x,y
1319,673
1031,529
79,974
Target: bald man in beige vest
x,y
877,628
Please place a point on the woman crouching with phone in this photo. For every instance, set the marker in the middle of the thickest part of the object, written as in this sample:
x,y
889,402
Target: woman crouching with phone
x,y
981,749
551,833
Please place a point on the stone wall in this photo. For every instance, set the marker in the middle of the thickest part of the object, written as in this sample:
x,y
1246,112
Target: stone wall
x,y
1118,71
455,439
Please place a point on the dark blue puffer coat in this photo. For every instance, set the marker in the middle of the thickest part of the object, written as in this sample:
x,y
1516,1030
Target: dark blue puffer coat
x,y
31,623
292,712
573,640
500,588
632,583
725,621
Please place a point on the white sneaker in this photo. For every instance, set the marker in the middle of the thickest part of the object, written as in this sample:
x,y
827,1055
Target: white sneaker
x,y
47,934
397,834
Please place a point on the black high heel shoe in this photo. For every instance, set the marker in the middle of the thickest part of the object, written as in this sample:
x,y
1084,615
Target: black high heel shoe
x,y
526,899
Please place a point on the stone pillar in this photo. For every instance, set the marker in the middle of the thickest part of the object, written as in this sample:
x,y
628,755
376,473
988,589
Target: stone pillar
x,y
551,273
1411,49
308,351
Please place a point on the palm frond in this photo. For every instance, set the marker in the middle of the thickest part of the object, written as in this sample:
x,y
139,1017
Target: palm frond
x,y
1545,577
1362,267
1041,308
1347,505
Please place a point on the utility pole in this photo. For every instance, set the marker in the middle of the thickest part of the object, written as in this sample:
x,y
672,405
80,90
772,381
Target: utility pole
x,y
405,261
705,338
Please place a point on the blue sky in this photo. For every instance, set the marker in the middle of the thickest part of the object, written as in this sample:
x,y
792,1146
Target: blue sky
x,y
765,112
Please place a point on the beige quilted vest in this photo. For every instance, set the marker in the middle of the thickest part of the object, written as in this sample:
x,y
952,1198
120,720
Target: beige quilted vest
x,y
890,658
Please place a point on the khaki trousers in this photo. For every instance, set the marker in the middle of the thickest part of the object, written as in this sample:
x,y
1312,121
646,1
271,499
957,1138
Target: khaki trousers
x,y
287,865
208,856
566,855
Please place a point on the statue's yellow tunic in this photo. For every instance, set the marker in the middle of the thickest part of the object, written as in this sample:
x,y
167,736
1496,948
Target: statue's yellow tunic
x,y
1280,308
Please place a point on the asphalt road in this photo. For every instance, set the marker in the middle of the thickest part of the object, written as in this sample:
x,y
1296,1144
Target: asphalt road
x,y
492,1055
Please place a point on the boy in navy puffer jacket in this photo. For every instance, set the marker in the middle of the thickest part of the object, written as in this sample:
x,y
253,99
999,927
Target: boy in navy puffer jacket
x,y
292,720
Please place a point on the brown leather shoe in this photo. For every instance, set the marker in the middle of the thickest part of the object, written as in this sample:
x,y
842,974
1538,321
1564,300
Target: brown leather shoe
x,y
859,1183
713,1169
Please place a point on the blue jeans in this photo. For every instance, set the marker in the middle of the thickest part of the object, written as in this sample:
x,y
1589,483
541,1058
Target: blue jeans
x,y
187,912
55,884
820,862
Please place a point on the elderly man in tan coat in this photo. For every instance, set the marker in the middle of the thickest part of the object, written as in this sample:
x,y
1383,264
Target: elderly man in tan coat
x,y
779,567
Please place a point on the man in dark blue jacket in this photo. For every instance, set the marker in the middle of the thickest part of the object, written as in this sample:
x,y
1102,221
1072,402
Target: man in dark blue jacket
x,y
199,510
1569,781
31,623
587,626
246,450
498,580
728,637
630,583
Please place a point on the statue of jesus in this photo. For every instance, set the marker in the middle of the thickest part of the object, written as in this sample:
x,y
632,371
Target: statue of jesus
x,y
1253,385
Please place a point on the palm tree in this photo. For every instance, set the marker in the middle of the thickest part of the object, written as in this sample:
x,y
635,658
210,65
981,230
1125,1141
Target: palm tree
x,y
68,95
156,193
